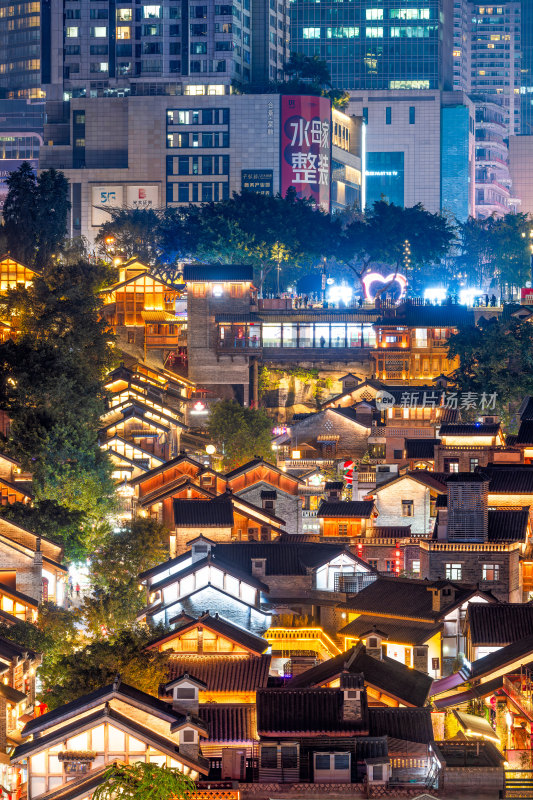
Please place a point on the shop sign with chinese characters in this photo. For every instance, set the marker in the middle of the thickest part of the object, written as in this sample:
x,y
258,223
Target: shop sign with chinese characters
x,y
260,181
306,147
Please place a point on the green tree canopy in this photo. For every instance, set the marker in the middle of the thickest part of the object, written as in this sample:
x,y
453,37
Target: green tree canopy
x,y
240,433
251,228
135,233
495,252
496,357
52,521
93,665
118,559
406,240
51,385
35,214
142,781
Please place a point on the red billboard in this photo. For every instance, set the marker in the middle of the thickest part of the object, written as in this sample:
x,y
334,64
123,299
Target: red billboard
x,y
306,147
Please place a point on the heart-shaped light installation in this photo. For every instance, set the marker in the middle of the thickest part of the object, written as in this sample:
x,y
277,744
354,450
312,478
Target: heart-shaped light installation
x,y
376,278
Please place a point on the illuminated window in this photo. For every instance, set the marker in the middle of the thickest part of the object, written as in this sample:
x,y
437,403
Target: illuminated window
x,y
98,33
491,572
422,84
123,32
72,33
409,13
151,12
311,33
124,15
374,33
454,572
342,33
374,13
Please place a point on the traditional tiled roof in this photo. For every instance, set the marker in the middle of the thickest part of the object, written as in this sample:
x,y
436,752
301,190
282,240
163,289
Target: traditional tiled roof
x,y
223,673
521,650
408,686
397,631
508,524
167,465
433,480
406,598
97,698
509,478
525,412
467,754
389,531
217,272
409,724
282,558
214,513
10,650
219,625
351,415
470,429
305,711
525,433
230,723
465,477
421,448
499,624
257,462
11,695
193,567
24,598
353,509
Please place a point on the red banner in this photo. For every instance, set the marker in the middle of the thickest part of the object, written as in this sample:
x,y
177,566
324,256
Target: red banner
x,y
306,147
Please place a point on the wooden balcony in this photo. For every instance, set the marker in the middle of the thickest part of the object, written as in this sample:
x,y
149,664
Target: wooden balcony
x,y
160,341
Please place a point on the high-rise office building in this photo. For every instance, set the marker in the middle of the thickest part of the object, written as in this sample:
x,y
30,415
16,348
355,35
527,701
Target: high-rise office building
x,y
65,48
526,69
378,44
486,58
495,56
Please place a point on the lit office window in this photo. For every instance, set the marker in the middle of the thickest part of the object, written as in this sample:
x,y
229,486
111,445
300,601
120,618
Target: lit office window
x,y
151,12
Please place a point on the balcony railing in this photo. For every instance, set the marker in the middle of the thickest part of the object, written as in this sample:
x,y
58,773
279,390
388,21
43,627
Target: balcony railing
x,y
523,703
163,340
351,584
308,462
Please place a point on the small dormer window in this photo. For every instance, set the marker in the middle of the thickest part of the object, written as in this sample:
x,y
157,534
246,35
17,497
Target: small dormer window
x,y
258,564
200,548
188,736
373,642
268,505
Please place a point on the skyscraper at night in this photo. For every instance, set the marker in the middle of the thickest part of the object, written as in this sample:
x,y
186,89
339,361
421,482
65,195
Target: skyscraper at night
x,y
64,48
378,44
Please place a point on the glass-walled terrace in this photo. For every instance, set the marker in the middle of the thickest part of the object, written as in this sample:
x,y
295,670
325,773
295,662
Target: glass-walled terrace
x,y
233,336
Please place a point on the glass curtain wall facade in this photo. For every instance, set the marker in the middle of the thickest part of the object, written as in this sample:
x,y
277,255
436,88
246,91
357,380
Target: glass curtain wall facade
x,y
24,64
377,44
526,70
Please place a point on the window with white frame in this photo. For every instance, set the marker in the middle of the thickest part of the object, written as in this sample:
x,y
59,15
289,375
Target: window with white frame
x,y
454,572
